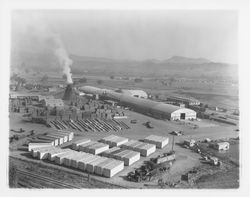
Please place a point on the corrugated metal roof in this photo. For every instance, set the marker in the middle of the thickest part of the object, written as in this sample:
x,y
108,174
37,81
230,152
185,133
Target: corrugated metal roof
x,y
149,104
135,92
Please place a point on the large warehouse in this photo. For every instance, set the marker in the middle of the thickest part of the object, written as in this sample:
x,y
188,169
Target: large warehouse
x,y
158,109
135,93
152,108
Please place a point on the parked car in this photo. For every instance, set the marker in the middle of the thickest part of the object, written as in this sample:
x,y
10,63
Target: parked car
x,y
178,133
133,121
149,125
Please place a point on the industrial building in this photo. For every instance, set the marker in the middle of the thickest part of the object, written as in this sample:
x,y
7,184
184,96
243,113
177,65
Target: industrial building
x,y
42,97
220,145
53,102
186,101
158,109
134,93
145,106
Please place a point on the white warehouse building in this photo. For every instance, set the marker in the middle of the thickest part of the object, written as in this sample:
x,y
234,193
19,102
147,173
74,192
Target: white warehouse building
x,y
135,93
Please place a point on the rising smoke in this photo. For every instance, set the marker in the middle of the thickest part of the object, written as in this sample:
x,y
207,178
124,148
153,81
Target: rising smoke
x,y
63,58
33,36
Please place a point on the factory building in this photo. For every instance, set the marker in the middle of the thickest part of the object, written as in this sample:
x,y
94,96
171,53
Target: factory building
x,y
53,102
186,101
145,106
41,97
152,108
134,93
158,109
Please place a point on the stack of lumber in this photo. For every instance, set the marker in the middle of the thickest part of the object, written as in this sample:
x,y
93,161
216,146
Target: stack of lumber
x,y
128,156
159,141
76,144
143,148
114,140
86,162
55,138
93,147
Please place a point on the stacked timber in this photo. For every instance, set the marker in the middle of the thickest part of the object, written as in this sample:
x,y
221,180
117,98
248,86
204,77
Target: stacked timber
x,y
36,150
128,156
43,153
82,165
143,148
39,145
111,151
74,157
55,138
59,159
62,136
90,167
114,140
159,141
93,147
52,154
75,162
113,168
83,161
76,144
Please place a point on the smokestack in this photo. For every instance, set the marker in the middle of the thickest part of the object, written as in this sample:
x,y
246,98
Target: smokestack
x,y
69,94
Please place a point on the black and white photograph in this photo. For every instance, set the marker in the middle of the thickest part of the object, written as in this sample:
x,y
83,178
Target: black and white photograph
x,y
124,99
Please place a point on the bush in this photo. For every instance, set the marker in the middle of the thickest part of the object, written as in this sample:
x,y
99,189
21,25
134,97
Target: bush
x,y
138,80
83,80
99,81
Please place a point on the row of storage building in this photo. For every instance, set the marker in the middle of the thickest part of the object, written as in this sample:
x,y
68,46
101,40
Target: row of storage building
x,y
86,162
54,138
105,158
128,156
113,140
88,146
144,149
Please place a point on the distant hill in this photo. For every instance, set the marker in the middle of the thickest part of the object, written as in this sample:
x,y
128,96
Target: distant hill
x,y
176,65
186,60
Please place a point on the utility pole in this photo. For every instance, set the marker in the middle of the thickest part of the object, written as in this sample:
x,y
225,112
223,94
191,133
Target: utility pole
x,y
173,144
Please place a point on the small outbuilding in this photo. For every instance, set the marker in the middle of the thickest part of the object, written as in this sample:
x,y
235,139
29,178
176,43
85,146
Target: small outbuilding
x,y
189,143
220,146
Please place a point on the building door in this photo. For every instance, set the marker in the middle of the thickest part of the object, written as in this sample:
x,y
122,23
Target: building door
x,y
183,115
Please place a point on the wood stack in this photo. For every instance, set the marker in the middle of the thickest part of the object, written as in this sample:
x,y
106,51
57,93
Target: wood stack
x,y
143,148
159,141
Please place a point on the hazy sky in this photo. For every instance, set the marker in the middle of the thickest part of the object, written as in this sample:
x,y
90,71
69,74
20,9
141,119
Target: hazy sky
x,y
133,34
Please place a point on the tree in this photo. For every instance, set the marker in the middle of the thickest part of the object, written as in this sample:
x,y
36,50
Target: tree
x,y
83,80
44,78
27,70
171,80
138,80
112,77
99,81
14,77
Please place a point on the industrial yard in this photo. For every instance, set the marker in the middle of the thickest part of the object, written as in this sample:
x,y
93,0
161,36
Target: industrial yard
x,y
125,130
91,122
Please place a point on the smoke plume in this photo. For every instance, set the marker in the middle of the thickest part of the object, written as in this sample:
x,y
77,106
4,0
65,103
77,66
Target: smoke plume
x,y
34,43
63,59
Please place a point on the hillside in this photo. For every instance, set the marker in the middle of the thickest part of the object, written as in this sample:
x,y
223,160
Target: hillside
x,y
176,65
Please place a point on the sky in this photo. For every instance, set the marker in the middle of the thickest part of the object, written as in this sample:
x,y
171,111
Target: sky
x,y
130,34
